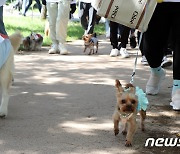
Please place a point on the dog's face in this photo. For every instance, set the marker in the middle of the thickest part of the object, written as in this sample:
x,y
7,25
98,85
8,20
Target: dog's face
x,y
126,99
87,37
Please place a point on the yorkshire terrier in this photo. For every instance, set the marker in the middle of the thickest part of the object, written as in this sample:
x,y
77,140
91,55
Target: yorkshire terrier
x,y
126,111
90,40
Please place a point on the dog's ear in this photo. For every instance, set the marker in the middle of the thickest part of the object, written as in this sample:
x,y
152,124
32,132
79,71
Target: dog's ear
x,y
118,86
83,37
130,88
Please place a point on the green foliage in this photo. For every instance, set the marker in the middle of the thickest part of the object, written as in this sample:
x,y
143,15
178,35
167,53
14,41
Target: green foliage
x,y
33,24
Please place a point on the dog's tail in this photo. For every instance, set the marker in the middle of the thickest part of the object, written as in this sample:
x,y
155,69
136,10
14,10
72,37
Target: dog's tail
x,y
16,40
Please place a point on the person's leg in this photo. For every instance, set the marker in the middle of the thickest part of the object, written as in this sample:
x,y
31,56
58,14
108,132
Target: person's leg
x,y
61,24
113,38
24,4
175,12
124,41
27,7
83,15
92,20
72,10
155,39
125,36
44,2
107,28
38,5
43,10
132,38
52,9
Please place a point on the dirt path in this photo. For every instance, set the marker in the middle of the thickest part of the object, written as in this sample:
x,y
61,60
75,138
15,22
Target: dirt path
x,y
63,104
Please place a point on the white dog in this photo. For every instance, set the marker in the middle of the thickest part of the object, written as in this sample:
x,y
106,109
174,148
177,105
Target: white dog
x,y
6,72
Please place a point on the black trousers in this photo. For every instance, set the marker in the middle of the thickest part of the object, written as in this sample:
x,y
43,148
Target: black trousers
x,y
164,20
116,28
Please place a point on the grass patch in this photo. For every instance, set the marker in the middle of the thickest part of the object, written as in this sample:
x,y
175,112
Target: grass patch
x,y
28,24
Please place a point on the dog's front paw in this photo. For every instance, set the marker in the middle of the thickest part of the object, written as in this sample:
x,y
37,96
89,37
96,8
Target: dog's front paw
x,y
116,131
128,143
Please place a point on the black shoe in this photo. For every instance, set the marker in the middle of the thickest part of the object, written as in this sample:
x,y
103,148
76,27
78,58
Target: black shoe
x,y
133,42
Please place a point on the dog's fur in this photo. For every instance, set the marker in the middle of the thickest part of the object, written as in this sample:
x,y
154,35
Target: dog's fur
x,y
33,42
126,111
90,40
6,73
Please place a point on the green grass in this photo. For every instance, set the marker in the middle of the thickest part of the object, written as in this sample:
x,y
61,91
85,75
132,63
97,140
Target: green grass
x,y
28,24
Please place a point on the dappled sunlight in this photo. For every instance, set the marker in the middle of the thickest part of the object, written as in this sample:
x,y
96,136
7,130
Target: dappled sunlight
x,y
86,127
82,127
51,93
79,69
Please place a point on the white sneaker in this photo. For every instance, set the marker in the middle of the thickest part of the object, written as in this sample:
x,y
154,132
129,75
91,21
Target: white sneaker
x,y
166,62
62,49
154,83
176,100
124,53
114,53
54,49
144,60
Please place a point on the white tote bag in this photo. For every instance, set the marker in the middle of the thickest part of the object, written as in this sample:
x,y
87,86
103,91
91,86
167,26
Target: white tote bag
x,y
132,13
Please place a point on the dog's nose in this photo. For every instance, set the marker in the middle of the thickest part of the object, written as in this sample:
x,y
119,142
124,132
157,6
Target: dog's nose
x,y
129,107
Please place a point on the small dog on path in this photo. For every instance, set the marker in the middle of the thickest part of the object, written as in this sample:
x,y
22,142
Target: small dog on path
x,y
33,42
90,41
126,111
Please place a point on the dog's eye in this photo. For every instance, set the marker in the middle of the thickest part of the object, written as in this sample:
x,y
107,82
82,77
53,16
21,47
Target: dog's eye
x,y
123,101
118,108
133,101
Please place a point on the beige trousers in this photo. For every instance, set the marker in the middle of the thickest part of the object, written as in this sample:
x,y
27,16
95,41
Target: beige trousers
x,y
58,16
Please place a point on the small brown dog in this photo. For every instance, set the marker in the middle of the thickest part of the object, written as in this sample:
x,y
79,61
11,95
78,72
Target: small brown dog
x,y
126,111
90,40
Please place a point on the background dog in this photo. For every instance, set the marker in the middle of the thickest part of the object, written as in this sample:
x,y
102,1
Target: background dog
x,y
126,111
33,42
90,40
6,73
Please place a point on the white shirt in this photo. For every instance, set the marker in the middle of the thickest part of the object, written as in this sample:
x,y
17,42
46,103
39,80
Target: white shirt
x,y
2,2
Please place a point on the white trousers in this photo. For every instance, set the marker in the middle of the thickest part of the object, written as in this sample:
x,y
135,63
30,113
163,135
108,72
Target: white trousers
x,y
58,16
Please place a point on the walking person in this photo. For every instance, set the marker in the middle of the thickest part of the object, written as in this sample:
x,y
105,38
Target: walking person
x,y
28,3
164,20
87,15
58,16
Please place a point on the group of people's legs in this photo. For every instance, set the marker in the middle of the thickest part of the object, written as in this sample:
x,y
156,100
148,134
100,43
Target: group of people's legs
x,y
163,23
161,38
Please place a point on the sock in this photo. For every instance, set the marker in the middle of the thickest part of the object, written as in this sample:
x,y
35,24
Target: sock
x,y
157,70
176,85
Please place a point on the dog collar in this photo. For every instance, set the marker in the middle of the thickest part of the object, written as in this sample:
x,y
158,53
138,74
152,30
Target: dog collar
x,y
125,116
